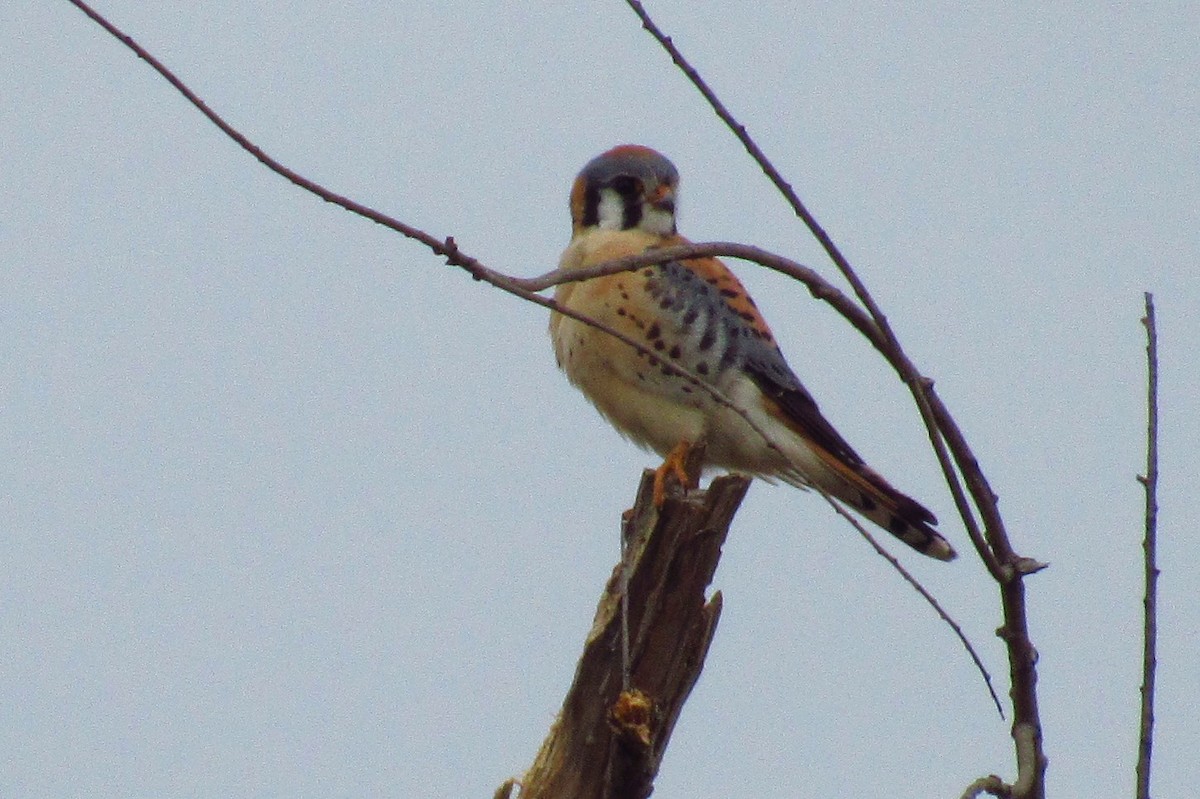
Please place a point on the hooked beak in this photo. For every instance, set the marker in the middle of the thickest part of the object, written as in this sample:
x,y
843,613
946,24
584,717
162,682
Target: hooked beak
x,y
662,198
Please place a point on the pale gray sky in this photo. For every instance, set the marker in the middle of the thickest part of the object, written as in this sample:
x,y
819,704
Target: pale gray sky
x,y
288,508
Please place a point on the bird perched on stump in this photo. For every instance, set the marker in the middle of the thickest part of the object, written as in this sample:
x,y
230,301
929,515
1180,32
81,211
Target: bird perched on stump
x,y
695,314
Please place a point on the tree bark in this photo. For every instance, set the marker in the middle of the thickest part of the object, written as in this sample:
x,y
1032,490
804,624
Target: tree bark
x,y
609,737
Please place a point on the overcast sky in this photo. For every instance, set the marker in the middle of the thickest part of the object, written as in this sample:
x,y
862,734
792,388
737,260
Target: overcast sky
x,y
289,508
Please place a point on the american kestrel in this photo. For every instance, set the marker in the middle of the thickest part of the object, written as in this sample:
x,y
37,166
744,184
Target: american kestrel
x,y
696,314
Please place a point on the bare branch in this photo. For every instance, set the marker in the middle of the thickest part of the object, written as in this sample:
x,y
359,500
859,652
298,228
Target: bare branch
x,y
920,589
818,286
757,154
438,246
1150,546
993,545
526,288
448,248
930,407
1028,738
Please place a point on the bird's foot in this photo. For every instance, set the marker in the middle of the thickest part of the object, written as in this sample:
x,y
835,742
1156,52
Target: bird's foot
x,y
675,465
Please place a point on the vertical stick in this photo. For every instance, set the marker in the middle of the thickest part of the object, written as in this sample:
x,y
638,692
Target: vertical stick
x,y
1150,545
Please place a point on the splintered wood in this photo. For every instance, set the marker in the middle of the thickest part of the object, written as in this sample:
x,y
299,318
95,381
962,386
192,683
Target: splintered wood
x,y
607,742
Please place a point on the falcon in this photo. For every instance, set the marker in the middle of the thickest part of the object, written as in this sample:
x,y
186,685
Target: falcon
x,y
694,314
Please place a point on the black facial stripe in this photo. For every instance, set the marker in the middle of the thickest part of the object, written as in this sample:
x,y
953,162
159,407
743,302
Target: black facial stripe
x,y
632,213
626,185
591,207
629,188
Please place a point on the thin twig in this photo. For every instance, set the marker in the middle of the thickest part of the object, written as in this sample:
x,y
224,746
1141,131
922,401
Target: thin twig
x,y
434,244
1150,546
920,589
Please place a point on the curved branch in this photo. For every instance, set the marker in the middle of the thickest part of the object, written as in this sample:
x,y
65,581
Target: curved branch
x,y
993,545
441,248
819,287
447,248
932,411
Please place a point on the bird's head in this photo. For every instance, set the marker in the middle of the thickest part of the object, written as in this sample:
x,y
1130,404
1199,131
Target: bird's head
x,y
628,187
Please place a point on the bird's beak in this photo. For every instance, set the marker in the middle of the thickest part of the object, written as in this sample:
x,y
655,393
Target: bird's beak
x,y
663,198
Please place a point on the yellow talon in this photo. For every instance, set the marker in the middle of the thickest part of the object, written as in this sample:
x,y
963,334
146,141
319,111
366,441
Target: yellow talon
x,y
675,465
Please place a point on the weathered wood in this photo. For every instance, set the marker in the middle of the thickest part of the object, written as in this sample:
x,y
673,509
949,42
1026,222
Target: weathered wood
x,y
607,743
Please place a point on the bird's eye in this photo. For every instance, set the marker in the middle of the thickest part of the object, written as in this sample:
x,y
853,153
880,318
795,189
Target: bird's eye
x,y
626,186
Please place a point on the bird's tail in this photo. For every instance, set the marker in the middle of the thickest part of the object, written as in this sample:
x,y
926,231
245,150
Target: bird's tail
x,y
867,492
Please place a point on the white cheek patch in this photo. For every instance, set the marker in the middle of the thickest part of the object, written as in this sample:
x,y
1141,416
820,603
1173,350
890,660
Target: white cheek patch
x,y
610,214
656,220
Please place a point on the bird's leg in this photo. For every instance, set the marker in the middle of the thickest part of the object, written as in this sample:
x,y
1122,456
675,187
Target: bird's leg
x,y
676,466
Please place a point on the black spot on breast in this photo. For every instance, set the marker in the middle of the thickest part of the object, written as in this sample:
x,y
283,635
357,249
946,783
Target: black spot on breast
x,y
648,271
621,311
659,346
702,368
666,304
675,352
690,316
654,332
708,339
